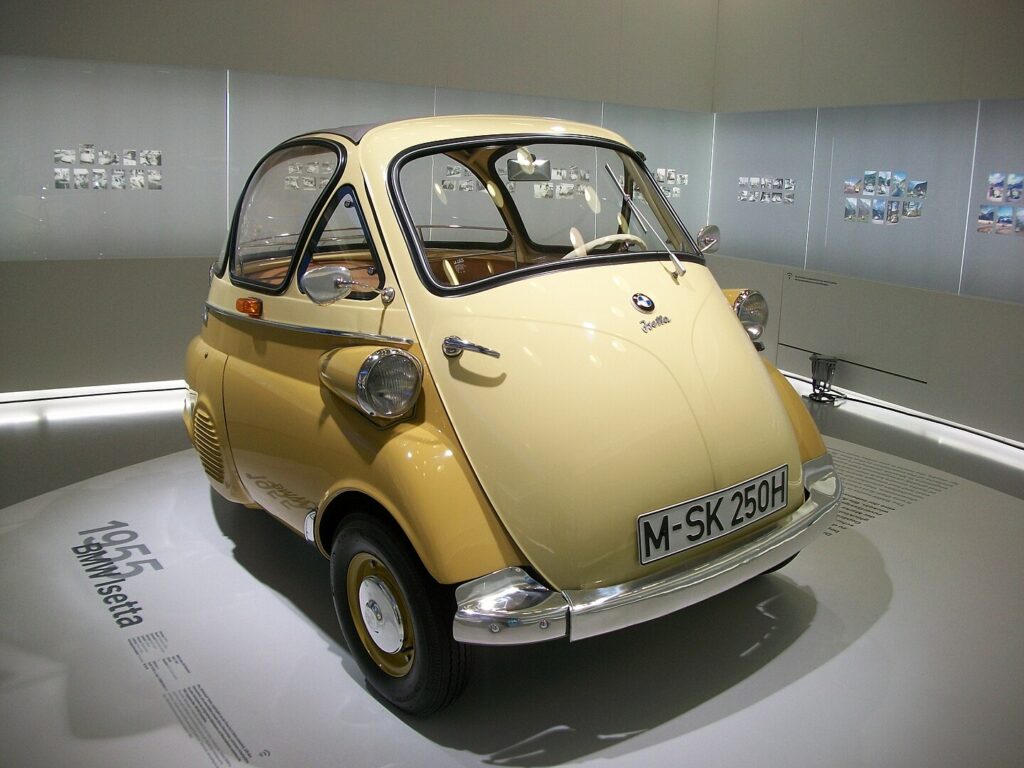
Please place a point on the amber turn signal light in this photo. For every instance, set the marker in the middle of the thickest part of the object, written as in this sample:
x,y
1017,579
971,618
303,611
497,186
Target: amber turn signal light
x,y
250,306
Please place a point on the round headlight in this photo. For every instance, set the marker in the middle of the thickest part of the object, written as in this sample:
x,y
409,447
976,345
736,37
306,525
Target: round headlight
x,y
752,310
388,383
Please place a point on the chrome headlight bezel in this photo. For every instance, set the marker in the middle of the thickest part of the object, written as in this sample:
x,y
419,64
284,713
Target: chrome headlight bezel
x,y
751,308
369,401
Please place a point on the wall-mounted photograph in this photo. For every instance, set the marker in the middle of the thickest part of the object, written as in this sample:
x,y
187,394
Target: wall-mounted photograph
x,y
130,157
80,178
107,157
87,154
117,178
892,215
1018,226
899,184
136,180
917,189
912,209
151,157
99,178
863,209
1014,187
853,185
66,156
154,179
1004,220
850,209
884,186
986,218
61,178
870,181
996,187
878,211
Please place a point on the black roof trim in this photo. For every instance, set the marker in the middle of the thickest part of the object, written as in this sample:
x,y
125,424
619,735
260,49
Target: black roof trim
x,y
354,133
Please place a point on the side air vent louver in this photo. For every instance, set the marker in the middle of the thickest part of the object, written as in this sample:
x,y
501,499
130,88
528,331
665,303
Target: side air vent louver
x,y
204,437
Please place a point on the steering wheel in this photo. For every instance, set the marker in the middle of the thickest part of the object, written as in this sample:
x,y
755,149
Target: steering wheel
x,y
620,237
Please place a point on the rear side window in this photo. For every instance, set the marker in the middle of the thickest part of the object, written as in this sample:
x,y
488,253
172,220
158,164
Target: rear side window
x,y
273,213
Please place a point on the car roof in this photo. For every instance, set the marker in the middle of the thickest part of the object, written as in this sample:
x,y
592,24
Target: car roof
x,y
428,129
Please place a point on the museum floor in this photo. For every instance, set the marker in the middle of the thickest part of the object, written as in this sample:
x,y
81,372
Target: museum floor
x,y
894,640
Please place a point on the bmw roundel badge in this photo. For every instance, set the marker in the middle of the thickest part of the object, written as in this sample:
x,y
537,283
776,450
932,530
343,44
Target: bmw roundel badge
x,y
643,302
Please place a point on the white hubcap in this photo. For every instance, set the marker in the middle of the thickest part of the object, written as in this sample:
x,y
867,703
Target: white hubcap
x,y
381,615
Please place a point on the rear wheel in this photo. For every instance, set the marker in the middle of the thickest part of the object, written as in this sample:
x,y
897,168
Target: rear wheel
x,y
396,619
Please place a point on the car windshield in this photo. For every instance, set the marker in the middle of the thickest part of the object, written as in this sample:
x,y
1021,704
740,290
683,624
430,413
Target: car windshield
x,y
481,211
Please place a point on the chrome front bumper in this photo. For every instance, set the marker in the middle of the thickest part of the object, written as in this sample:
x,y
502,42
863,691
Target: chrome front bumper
x,y
509,607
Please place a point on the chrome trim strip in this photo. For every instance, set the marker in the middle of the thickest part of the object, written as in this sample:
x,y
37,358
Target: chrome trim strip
x,y
401,340
517,604
605,609
309,527
508,607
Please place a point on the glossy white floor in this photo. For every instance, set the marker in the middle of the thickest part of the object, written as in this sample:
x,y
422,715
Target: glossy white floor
x,y
894,641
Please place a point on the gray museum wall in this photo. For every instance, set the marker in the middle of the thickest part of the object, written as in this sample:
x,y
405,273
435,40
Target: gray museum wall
x,y
98,286
956,357
699,55
100,321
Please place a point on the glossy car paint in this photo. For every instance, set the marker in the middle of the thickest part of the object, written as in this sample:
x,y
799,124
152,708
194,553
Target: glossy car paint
x,y
544,457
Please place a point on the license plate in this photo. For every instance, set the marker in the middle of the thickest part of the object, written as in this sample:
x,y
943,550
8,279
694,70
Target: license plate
x,y
697,521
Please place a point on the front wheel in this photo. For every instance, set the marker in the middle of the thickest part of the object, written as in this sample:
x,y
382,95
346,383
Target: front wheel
x,y
396,619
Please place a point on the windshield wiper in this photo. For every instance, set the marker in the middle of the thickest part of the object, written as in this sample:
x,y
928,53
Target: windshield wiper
x,y
680,269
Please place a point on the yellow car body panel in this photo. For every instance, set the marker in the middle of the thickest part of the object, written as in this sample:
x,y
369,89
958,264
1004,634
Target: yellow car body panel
x,y
542,458
594,415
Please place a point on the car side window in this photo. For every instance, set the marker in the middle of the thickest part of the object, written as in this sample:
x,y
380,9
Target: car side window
x,y
342,240
274,210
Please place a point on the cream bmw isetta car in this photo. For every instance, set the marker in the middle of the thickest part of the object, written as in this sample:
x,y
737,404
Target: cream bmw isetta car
x,y
481,365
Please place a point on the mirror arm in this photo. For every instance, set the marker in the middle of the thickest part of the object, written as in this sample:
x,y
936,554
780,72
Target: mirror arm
x,y
387,293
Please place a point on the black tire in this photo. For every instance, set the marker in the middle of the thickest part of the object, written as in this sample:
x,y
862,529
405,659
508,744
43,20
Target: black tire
x,y
429,669
781,565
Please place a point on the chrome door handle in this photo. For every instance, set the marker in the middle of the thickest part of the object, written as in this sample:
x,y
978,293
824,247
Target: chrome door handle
x,y
453,346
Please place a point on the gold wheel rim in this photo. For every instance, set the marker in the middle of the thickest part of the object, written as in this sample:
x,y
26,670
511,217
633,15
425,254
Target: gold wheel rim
x,y
368,577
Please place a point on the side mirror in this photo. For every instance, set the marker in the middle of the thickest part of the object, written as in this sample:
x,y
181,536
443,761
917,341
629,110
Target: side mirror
x,y
707,238
326,285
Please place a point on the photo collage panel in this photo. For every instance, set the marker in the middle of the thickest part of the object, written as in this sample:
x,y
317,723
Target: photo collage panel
x,y
1004,212
127,169
671,181
565,184
883,197
766,189
309,177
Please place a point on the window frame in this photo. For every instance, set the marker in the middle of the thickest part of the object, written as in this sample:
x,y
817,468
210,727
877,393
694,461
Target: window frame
x,y
416,247
304,233
318,230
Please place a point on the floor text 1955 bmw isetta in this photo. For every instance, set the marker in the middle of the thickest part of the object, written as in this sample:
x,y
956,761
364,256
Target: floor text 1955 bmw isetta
x,y
482,366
